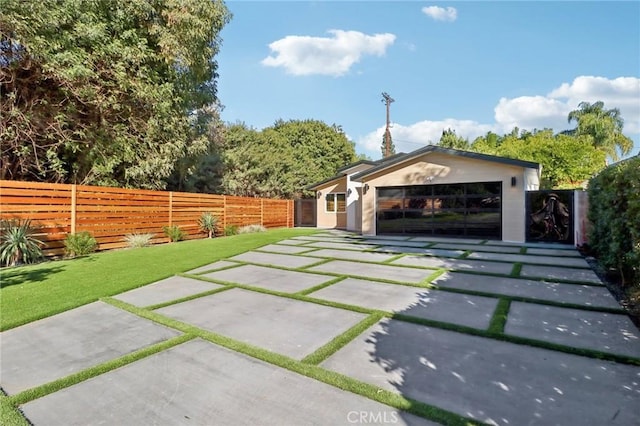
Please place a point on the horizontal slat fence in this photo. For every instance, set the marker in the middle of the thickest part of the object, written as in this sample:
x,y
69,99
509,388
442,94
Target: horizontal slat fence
x,y
111,213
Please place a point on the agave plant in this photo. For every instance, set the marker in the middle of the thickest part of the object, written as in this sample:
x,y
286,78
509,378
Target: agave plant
x,y
207,223
17,243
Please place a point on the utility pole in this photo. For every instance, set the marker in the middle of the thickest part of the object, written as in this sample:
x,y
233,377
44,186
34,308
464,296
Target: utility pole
x,y
387,133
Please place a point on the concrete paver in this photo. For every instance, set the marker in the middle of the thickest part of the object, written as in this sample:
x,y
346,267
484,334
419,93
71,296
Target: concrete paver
x,y
448,240
343,246
462,309
55,347
479,247
577,262
560,273
587,295
165,291
281,248
352,255
494,382
396,243
385,272
284,260
426,251
554,252
490,380
200,383
456,264
221,264
271,278
286,326
577,328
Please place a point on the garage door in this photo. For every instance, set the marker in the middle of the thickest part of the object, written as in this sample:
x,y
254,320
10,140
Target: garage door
x,y
464,209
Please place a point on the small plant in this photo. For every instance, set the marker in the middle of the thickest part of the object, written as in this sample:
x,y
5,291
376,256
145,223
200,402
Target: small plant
x,y
208,223
174,233
251,229
80,244
138,240
230,230
17,243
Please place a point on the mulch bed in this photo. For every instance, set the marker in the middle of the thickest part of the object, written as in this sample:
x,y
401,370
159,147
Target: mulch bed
x,y
628,296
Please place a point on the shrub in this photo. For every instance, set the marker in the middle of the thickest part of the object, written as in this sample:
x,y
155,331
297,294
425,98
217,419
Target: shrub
x,y
17,243
230,230
80,244
208,223
250,229
174,233
138,240
614,211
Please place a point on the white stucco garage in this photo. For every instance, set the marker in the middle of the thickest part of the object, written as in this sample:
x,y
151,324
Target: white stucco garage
x,y
431,191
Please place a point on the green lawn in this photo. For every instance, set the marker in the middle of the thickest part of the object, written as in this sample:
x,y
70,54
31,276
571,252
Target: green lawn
x,y
37,291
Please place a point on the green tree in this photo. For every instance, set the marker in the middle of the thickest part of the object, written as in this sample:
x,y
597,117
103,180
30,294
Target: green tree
x,y
449,139
107,91
278,161
487,144
383,146
604,126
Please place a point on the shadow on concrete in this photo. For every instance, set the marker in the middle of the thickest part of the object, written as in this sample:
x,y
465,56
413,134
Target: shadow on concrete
x,y
496,382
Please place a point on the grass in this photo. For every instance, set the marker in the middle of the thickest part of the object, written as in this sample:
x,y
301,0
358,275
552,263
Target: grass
x,y
33,292
37,291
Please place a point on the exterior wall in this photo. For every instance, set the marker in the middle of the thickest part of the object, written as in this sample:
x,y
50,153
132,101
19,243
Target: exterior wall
x,y
354,194
436,168
330,219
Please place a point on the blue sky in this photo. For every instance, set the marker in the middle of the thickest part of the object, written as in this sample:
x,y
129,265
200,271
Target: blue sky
x,y
468,66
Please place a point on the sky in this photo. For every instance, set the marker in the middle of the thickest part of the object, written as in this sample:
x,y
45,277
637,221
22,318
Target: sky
x,y
471,66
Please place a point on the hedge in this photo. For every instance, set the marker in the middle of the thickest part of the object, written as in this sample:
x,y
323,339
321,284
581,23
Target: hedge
x,y
614,211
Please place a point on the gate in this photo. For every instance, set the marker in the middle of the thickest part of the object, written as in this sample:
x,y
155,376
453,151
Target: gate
x,y
550,216
305,212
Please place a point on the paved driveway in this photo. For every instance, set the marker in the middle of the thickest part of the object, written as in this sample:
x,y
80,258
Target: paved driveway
x,y
339,329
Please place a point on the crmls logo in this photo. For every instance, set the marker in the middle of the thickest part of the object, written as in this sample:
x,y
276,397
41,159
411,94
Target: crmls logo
x,y
372,417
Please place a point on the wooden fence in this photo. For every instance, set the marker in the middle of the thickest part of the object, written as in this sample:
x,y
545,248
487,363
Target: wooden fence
x,y
111,213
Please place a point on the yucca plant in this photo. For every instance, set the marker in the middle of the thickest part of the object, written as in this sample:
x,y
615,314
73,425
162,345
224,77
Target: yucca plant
x,y
80,244
17,243
174,233
208,223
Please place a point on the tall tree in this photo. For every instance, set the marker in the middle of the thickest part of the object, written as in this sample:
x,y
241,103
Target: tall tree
x,y
449,139
279,161
105,91
604,126
383,147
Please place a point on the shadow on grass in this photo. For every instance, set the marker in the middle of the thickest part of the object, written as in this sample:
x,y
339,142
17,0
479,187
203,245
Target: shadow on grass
x,y
22,275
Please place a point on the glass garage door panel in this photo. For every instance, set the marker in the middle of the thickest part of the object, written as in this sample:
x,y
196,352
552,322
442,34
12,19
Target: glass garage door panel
x,y
467,209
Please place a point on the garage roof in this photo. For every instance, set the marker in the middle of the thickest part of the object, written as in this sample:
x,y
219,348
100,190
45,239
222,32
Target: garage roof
x,y
400,158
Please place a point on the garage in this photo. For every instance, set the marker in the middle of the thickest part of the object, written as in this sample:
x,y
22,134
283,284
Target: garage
x,y
432,192
472,210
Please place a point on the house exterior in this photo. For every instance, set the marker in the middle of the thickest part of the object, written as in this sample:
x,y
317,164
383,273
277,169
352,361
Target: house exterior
x,y
432,191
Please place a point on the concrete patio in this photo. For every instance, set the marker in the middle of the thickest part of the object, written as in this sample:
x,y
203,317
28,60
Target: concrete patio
x,y
297,332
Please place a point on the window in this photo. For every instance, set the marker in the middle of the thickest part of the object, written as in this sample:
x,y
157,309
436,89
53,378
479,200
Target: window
x,y
336,203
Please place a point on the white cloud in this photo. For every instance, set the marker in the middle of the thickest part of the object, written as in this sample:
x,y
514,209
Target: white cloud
x,y
414,136
335,55
524,112
531,112
622,93
438,13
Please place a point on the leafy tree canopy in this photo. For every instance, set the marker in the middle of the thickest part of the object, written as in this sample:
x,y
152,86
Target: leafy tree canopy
x,y
603,126
566,160
107,92
278,161
449,139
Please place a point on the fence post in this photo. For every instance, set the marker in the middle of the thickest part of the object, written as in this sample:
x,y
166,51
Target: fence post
x,y
262,211
170,208
224,211
74,203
